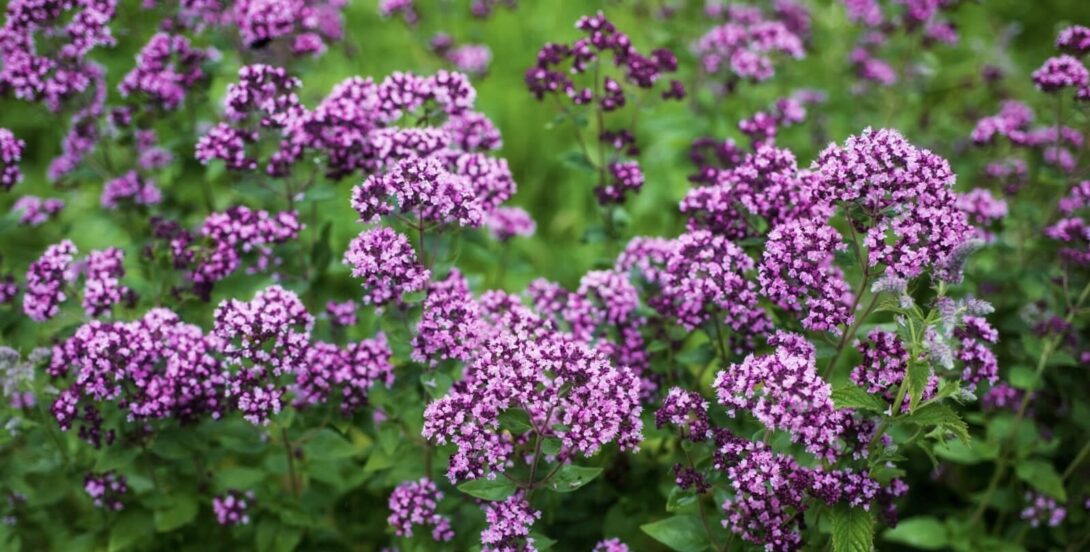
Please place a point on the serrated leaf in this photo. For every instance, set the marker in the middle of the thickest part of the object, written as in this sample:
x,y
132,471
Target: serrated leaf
x,y
941,416
851,396
853,530
1042,476
571,477
489,489
683,533
924,532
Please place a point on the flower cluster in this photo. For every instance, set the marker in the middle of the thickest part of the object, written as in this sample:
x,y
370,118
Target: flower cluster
x,y
569,391
46,279
102,287
1042,509
166,68
743,47
262,340
423,188
106,490
798,273
882,21
34,211
902,192
130,188
509,523
233,508
308,24
11,152
450,325
414,503
387,264
342,314
784,391
507,222
233,233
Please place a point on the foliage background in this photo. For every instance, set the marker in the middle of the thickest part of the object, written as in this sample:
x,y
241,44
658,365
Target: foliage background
x,y
937,112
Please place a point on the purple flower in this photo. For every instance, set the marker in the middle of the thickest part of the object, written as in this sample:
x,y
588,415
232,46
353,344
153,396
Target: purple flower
x,y
414,503
342,314
784,391
102,288
233,508
509,523
505,223
11,152
46,279
798,273
1074,40
1042,509
450,325
1061,72
471,58
387,264
34,211
130,188
166,68
106,490
625,176
611,545
236,232
420,187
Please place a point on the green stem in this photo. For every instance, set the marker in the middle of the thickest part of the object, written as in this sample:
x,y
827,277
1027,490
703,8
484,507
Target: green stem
x,y
291,462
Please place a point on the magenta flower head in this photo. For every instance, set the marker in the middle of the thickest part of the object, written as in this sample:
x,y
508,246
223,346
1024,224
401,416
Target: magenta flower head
x,y
166,68
342,314
130,188
11,152
906,194
46,279
509,522
106,490
102,288
414,503
798,273
387,264
507,222
1060,72
233,508
34,211
1074,40
450,326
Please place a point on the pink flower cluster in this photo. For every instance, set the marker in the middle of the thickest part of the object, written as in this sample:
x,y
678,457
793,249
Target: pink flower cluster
x,y
509,523
35,211
414,503
233,508
798,273
11,152
744,47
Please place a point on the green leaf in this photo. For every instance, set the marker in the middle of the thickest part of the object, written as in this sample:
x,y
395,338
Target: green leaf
x,y
682,533
182,510
1024,378
115,458
941,416
238,477
853,530
541,542
489,489
924,532
680,500
389,438
551,446
436,384
918,374
327,445
851,396
571,477
1042,476
129,528
699,356
576,159
515,420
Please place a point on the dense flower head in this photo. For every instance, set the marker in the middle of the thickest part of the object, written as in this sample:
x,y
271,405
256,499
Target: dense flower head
x,y
102,287
237,232
83,132
978,360
784,391
106,490
646,258
687,410
798,273
309,24
602,38
745,47
706,277
983,209
611,545
34,211
903,191
1002,397
8,289
1013,117
166,68
769,494
1074,40
1042,509
46,279
60,71
342,314
764,185
884,366
422,187
130,188
471,58
450,325
233,507
262,340
1060,72
153,368
509,523
349,373
556,380
414,503
625,176
505,223
386,262
11,152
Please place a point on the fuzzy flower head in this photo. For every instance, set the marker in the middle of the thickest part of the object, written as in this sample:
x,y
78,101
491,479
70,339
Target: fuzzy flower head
x,y
414,503
387,264
46,279
1061,72
507,222
798,273
35,211
509,523
233,508
106,490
